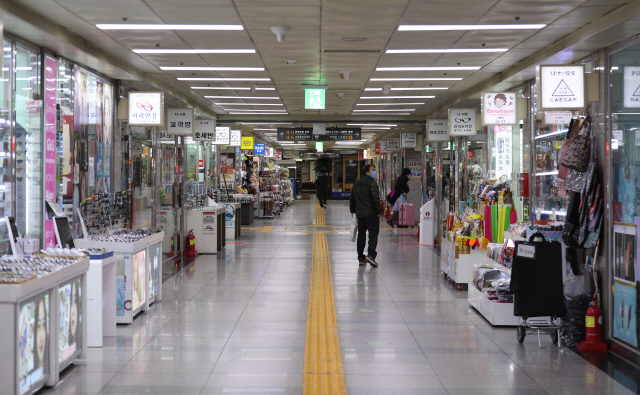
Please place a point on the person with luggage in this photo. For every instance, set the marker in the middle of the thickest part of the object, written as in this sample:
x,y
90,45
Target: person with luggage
x,y
365,205
323,186
399,194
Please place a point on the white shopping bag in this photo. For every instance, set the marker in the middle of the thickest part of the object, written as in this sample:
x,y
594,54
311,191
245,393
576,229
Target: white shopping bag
x,y
354,227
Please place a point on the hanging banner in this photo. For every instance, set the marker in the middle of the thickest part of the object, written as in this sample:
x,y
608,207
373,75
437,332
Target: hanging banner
x,y
438,130
180,121
247,143
462,122
393,144
145,108
50,137
409,140
503,136
205,130
235,138
499,108
561,87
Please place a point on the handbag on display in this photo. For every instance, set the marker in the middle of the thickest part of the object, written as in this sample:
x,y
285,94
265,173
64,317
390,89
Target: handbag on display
x,y
354,228
578,151
573,126
390,196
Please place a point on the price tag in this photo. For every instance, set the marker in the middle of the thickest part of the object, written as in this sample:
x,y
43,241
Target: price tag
x,y
526,251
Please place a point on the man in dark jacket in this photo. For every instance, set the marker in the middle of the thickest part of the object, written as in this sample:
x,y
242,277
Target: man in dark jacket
x,y
401,188
323,186
365,204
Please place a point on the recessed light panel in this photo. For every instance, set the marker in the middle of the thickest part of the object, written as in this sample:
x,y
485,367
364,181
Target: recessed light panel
x,y
156,26
417,28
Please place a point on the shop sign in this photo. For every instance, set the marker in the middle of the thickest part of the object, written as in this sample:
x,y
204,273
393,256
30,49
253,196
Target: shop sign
x,y
278,155
502,150
462,122
361,155
561,87
557,117
200,164
393,144
438,130
222,135
258,149
631,86
145,108
378,149
247,143
205,130
499,108
383,147
469,154
416,171
180,121
409,140
235,138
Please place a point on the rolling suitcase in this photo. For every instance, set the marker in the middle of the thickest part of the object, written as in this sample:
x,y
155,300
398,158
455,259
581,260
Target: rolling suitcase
x,y
407,215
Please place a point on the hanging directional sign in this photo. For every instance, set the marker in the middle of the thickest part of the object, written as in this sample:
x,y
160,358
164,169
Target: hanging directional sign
x,y
631,87
306,134
205,130
561,87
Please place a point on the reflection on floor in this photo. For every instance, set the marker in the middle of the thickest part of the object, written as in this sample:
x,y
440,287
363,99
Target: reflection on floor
x,y
235,323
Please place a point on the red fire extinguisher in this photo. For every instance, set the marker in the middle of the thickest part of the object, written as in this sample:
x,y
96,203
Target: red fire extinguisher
x,y
191,245
593,319
172,252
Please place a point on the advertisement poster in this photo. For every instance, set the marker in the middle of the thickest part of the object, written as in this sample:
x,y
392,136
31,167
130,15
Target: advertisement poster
x,y
33,342
624,253
51,147
416,171
70,310
230,216
209,222
503,136
123,292
139,266
625,313
99,160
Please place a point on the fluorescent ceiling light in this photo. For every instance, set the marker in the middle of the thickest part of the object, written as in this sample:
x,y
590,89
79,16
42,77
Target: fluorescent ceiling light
x,y
229,88
265,89
245,109
244,97
370,124
181,68
223,79
248,104
266,129
453,50
156,26
370,128
192,51
410,89
397,109
395,97
266,123
415,28
415,79
389,104
449,68
379,113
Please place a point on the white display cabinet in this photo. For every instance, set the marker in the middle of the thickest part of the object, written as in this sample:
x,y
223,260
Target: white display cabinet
x,y
139,261
43,328
208,228
101,313
459,267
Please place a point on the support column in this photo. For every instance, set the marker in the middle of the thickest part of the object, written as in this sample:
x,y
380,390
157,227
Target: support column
x,y
439,191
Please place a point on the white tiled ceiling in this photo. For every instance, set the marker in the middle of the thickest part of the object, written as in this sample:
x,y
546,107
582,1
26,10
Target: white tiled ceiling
x,y
320,25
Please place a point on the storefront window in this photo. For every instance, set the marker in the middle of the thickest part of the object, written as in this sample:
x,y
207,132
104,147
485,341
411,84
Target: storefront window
x,y
64,137
6,149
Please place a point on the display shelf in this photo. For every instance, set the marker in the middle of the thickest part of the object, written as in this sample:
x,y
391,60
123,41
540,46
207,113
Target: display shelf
x,y
120,248
29,369
101,312
498,314
459,267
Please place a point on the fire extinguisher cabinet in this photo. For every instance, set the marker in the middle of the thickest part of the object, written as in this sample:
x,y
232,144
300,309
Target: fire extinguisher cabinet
x,y
206,224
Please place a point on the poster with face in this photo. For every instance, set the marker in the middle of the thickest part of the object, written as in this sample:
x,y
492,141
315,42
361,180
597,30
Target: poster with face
x,y
33,342
70,322
80,130
99,111
624,253
138,281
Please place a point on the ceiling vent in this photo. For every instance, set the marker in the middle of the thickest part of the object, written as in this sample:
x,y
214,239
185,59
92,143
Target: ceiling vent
x,y
351,51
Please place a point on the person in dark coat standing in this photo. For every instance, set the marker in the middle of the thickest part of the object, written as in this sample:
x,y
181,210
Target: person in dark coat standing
x,y
365,205
323,186
401,189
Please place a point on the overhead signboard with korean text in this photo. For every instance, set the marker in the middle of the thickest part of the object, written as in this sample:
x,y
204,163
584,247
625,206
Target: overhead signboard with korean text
x,y
205,130
146,108
235,138
180,121
438,130
258,149
462,122
561,87
247,142
409,140
499,108
393,144
222,135
307,134
631,86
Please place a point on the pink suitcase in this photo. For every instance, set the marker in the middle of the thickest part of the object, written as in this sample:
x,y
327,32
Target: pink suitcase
x,y
407,215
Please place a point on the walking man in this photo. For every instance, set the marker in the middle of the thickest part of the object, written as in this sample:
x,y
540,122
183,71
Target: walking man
x,y
323,186
400,194
365,204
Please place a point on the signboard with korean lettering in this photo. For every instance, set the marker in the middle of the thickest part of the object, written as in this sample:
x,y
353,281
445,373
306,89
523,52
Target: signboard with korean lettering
x,y
438,130
409,140
393,144
499,108
307,134
383,147
180,121
557,117
378,152
205,130
222,135
561,87
503,150
235,138
146,108
631,86
462,122
247,142
258,149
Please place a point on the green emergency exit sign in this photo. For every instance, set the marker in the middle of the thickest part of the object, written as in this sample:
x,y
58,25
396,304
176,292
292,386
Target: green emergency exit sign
x,y
314,99
319,146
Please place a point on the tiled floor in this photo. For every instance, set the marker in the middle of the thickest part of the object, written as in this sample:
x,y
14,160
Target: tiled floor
x,y
235,324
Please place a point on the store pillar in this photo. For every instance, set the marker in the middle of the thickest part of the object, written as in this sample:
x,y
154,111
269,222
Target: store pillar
x,y
439,191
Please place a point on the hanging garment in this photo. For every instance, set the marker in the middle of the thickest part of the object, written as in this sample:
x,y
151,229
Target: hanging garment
x,y
487,223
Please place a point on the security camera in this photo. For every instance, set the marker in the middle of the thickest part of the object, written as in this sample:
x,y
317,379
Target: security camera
x,y
340,95
281,32
386,88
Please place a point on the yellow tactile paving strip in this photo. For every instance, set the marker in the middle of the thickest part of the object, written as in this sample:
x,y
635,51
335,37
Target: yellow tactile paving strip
x,y
323,370
319,215
267,229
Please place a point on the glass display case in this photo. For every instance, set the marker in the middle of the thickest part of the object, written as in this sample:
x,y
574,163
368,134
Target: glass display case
x,y
6,152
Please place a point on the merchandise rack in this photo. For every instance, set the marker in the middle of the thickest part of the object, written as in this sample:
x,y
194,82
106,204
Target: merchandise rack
x,y
12,298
